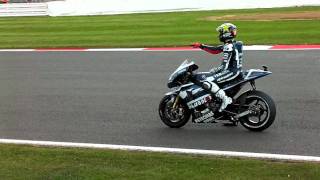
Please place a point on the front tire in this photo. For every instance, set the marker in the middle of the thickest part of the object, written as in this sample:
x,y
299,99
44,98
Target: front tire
x,y
174,118
263,110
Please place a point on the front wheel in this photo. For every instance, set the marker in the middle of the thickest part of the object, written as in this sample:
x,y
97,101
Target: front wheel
x,y
262,110
173,117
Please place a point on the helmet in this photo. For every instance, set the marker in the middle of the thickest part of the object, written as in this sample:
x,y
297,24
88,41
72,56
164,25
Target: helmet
x,y
227,32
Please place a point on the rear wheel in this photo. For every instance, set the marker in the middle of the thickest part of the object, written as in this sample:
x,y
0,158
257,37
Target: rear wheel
x,y
173,117
262,110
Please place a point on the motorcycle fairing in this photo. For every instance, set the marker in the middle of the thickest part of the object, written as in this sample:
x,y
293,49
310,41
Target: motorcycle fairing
x,y
182,69
248,76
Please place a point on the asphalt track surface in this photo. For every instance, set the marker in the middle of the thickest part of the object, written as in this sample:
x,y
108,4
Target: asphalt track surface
x,y
112,98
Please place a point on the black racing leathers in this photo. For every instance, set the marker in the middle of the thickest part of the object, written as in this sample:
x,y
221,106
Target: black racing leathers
x,y
231,66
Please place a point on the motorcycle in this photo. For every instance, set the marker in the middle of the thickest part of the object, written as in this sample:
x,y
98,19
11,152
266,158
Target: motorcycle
x,y
254,109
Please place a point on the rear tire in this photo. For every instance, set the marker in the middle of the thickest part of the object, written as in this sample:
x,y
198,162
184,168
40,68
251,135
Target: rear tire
x,y
169,116
263,107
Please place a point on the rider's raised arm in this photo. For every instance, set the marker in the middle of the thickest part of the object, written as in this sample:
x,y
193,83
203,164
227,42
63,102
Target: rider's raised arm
x,y
212,49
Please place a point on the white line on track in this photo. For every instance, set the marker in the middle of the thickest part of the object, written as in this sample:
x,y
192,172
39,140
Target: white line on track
x,y
16,50
247,48
165,150
257,47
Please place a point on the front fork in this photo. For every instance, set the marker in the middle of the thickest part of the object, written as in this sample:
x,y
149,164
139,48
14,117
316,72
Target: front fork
x,y
176,101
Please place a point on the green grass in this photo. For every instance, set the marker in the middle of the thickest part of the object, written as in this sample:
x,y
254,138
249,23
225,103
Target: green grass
x,y
145,30
27,162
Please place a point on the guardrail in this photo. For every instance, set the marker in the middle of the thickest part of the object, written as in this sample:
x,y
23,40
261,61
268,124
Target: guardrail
x,y
24,9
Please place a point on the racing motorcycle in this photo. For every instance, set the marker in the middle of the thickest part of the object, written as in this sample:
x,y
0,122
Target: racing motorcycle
x,y
254,109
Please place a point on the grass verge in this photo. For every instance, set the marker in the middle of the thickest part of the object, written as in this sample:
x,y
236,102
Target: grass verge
x,y
159,29
28,162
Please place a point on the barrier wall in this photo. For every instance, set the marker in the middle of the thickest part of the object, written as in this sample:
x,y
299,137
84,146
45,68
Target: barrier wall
x,y
23,9
97,7
30,1
101,7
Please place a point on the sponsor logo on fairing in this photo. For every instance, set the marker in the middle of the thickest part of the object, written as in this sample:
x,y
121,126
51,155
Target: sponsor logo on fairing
x,y
207,117
225,77
197,102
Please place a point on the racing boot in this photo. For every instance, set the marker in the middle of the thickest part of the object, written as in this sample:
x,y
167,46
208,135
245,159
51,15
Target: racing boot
x,y
219,93
225,99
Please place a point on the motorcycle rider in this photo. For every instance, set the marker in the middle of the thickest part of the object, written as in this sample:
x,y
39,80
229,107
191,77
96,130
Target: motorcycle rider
x,y
231,66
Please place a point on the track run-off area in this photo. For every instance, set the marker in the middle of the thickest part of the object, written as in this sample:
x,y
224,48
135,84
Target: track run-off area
x,y
112,97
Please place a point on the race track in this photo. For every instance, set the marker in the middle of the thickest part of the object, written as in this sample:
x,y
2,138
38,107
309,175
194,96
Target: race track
x,y
112,98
